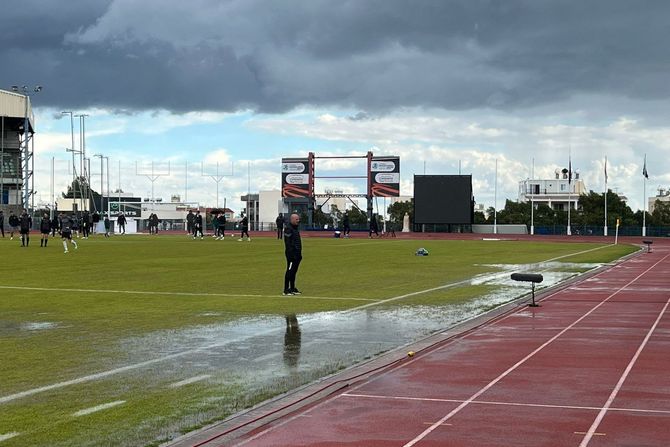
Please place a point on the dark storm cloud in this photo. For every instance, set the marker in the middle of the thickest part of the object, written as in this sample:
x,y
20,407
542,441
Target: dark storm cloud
x,y
373,55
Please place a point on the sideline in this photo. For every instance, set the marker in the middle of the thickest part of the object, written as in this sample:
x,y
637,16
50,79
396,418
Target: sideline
x,y
146,292
122,369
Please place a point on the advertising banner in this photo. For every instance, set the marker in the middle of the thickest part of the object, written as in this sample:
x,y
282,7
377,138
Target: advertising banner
x,y
295,177
385,177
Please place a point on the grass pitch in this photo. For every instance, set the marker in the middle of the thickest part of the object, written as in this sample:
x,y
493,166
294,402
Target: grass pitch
x,y
120,321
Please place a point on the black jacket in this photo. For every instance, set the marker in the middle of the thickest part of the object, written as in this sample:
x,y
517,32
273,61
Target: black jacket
x,y
45,224
25,221
292,242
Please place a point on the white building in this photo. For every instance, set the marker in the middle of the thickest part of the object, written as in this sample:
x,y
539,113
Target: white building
x,y
269,206
663,196
556,193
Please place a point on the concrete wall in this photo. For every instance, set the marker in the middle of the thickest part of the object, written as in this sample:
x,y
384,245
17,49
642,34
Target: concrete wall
x,y
502,229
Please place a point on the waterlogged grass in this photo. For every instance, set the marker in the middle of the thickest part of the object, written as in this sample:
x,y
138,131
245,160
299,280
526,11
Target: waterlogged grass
x,y
52,334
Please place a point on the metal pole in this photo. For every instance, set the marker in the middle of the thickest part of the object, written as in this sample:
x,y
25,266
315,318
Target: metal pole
x,y
2,163
108,191
185,181
248,186
495,202
644,209
53,201
32,174
532,200
605,227
569,230
26,129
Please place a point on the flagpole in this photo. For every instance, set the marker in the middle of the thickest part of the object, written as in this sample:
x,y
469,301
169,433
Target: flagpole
x,y
569,232
532,198
644,195
605,227
644,209
495,202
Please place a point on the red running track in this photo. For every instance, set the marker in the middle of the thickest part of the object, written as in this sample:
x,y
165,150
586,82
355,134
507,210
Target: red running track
x,y
589,367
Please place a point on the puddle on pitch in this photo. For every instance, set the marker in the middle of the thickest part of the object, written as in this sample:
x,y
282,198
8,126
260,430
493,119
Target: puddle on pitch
x,y
270,354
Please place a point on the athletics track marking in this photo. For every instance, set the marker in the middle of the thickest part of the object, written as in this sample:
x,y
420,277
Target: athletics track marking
x,y
522,361
111,372
507,404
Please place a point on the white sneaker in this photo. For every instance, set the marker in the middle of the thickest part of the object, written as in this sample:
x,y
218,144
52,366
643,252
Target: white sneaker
x,y
239,240
65,252
248,239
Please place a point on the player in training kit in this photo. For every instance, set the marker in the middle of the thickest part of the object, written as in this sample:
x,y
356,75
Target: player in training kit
x,y
66,231
13,224
197,225
222,226
45,229
245,229
25,223
279,222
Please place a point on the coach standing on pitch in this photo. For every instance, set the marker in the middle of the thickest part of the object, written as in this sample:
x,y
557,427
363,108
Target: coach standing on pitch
x,y
293,253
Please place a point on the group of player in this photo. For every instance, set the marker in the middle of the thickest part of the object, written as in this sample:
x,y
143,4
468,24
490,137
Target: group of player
x,y
194,225
65,225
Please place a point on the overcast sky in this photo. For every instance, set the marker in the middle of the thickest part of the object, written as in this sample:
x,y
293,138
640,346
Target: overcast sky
x,y
442,82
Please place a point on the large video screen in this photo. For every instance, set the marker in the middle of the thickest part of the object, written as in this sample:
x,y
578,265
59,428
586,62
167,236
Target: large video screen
x,y
443,199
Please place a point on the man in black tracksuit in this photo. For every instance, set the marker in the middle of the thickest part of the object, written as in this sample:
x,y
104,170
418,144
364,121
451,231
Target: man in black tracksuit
x,y
280,225
197,225
293,252
25,222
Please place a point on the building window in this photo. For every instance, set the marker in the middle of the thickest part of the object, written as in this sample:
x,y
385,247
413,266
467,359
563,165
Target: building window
x,y
562,186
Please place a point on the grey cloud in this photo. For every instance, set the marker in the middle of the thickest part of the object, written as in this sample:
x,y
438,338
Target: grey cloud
x,y
374,55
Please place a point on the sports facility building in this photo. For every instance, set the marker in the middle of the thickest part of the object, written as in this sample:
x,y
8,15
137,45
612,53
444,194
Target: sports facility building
x,y
17,126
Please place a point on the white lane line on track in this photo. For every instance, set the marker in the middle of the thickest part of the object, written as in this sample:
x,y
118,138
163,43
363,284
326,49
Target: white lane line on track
x,y
622,379
189,381
7,436
522,361
111,372
97,408
145,292
505,404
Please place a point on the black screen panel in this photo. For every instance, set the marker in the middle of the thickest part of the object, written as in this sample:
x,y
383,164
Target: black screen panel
x,y
443,199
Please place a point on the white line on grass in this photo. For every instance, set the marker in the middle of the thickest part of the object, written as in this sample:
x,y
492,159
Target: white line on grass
x,y
145,292
122,369
189,381
522,361
7,436
97,408
622,379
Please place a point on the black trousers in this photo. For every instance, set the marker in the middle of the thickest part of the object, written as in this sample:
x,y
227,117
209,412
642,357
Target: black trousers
x,y
244,231
2,228
280,233
292,265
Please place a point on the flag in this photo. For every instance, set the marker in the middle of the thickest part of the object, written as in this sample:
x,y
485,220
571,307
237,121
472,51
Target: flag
x,y
644,167
569,170
605,170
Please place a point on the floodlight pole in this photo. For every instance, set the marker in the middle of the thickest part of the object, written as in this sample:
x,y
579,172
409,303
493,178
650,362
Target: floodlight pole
x,y
153,177
217,177
100,156
27,153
